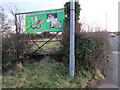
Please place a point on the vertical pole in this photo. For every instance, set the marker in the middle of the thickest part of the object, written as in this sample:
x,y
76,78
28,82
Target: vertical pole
x,y
16,23
118,17
72,27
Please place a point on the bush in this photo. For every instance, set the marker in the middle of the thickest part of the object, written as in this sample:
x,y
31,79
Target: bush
x,y
7,50
100,54
84,48
14,46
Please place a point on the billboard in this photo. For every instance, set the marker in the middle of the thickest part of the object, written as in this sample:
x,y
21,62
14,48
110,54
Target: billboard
x,y
45,21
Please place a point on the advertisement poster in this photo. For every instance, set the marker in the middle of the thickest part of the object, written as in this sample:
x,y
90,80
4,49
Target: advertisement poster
x,y
45,21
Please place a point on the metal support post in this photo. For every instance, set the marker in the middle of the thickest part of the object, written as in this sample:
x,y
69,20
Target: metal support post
x,y
72,27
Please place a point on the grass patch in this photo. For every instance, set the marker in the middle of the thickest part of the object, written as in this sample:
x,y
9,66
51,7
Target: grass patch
x,y
49,46
45,74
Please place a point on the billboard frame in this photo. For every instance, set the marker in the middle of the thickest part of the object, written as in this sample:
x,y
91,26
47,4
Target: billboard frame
x,y
45,42
41,11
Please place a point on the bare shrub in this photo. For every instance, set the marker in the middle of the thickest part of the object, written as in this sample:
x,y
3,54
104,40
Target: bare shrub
x,y
14,46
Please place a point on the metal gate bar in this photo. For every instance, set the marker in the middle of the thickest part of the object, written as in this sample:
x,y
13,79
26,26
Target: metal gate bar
x,y
45,43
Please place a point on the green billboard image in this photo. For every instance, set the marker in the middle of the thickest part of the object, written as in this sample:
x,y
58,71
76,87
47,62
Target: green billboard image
x,y
45,21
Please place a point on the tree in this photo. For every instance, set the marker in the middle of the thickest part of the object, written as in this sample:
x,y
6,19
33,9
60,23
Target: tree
x,y
16,42
77,14
77,11
3,22
17,19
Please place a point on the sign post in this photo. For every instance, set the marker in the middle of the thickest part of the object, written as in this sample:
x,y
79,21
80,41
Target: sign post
x,y
72,27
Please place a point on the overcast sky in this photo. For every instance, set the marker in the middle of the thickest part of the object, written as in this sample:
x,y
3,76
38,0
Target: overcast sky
x,y
93,11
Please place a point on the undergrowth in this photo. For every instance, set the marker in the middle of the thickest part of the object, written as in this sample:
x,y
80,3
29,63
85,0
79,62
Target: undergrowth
x,y
46,74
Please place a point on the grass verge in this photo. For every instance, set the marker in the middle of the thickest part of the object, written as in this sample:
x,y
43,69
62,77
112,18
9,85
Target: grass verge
x,y
46,74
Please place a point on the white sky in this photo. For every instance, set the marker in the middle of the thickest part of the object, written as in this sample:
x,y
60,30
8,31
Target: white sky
x,y
93,11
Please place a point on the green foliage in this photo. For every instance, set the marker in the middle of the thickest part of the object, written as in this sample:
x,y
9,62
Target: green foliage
x,y
84,48
103,46
77,11
7,52
7,57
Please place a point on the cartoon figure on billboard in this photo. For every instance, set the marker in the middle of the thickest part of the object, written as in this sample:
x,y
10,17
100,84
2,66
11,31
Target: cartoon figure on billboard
x,y
35,24
52,19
